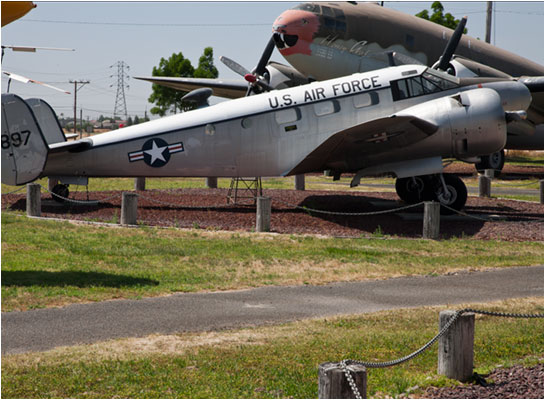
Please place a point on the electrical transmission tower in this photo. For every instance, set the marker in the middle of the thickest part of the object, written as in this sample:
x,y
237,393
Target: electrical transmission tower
x,y
120,107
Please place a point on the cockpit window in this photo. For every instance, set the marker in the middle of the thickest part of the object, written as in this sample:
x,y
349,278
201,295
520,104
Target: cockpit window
x,y
429,82
314,8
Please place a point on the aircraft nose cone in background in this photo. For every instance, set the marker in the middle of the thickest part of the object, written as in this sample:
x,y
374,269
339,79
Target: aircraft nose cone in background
x,y
294,31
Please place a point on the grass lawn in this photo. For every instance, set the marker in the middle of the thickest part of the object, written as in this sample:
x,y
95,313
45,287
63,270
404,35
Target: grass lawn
x,y
270,362
52,263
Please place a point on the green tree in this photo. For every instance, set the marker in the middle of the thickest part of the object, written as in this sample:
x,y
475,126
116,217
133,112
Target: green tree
x,y
167,99
206,68
438,17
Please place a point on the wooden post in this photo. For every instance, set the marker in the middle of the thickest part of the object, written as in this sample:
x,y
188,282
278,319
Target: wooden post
x,y
484,186
129,208
490,173
432,219
33,200
263,214
140,183
212,182
541,191
332,382
300,182
455,352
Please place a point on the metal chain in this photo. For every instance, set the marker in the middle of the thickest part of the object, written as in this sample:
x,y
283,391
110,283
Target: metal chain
x,y
479,218
350,380
347,213
181,205
344,363
15,191
86,202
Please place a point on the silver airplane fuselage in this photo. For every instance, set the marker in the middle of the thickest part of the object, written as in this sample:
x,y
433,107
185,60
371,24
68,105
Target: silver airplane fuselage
x,y
272,134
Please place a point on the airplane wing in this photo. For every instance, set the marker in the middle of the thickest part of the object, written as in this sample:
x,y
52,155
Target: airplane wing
x,y
372,137
231,89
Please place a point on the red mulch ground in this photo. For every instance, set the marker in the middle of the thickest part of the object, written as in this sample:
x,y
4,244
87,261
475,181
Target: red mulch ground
x,y
520,221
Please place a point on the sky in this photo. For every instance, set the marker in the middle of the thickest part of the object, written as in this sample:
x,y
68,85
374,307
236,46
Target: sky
x,y
141,33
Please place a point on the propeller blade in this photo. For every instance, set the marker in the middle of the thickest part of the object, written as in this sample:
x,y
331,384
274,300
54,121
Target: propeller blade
x,y
451,45
234,66
28,80
264,60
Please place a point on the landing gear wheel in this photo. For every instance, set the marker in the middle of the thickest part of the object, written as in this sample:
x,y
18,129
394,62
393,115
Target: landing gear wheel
x,y
493,161
411,190
455,195
60,190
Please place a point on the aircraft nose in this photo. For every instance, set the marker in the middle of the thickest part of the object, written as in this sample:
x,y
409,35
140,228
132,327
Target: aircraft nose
x,y
294,30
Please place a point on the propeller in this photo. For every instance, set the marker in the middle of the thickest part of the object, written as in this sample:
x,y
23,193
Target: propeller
x,y
24,79
259,77
445,58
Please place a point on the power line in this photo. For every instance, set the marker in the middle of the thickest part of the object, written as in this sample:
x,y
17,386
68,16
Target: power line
x,y
192,25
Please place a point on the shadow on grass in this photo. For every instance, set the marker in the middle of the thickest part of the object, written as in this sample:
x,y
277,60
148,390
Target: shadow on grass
x,y
72,278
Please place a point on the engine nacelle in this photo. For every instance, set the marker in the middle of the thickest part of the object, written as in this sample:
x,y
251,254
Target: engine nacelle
x,y
477,123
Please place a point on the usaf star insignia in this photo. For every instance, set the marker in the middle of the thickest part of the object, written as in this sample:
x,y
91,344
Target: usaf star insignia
x,y
156,152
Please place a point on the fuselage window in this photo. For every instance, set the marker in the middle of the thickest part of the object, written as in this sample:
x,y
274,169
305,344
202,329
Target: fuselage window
x,y
210,129
326,107
246,123
365,99
287,116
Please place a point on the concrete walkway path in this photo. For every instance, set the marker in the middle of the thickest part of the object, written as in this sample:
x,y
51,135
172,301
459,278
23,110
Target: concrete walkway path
x,y
88,323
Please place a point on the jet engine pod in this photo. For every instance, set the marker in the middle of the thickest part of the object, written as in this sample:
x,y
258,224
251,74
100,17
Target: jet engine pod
x,y
477,121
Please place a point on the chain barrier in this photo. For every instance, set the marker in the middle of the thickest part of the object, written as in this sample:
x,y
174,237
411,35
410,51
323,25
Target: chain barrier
x,y
15,191
347,213
181,205
85,202
479,218
345,363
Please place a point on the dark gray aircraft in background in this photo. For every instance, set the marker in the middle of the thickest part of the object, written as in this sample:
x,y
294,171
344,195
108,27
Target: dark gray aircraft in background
x,y
328,40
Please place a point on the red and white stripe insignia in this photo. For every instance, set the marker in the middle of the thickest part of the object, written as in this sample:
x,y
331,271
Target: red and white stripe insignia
x,y
176,147
136,156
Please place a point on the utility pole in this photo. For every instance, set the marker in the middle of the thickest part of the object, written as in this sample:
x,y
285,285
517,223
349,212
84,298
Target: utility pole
x,y
488,21
82,83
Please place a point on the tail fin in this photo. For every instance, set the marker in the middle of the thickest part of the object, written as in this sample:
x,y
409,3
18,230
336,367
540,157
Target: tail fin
x,y
24,147
47,120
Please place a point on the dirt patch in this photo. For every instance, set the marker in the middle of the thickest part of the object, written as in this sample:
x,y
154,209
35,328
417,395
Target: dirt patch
x,y
517,382
207,209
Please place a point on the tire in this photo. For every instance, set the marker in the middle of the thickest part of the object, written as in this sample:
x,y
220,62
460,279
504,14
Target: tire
x,y
411,190
493,161
457,194
60,190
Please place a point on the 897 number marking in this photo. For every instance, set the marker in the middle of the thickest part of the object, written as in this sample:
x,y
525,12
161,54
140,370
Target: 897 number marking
x,y
16,139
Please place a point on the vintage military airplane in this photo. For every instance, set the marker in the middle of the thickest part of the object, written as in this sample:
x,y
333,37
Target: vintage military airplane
x,y
330,40
401,120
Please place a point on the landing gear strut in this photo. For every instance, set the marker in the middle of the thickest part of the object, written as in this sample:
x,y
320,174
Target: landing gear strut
x,y
447,189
